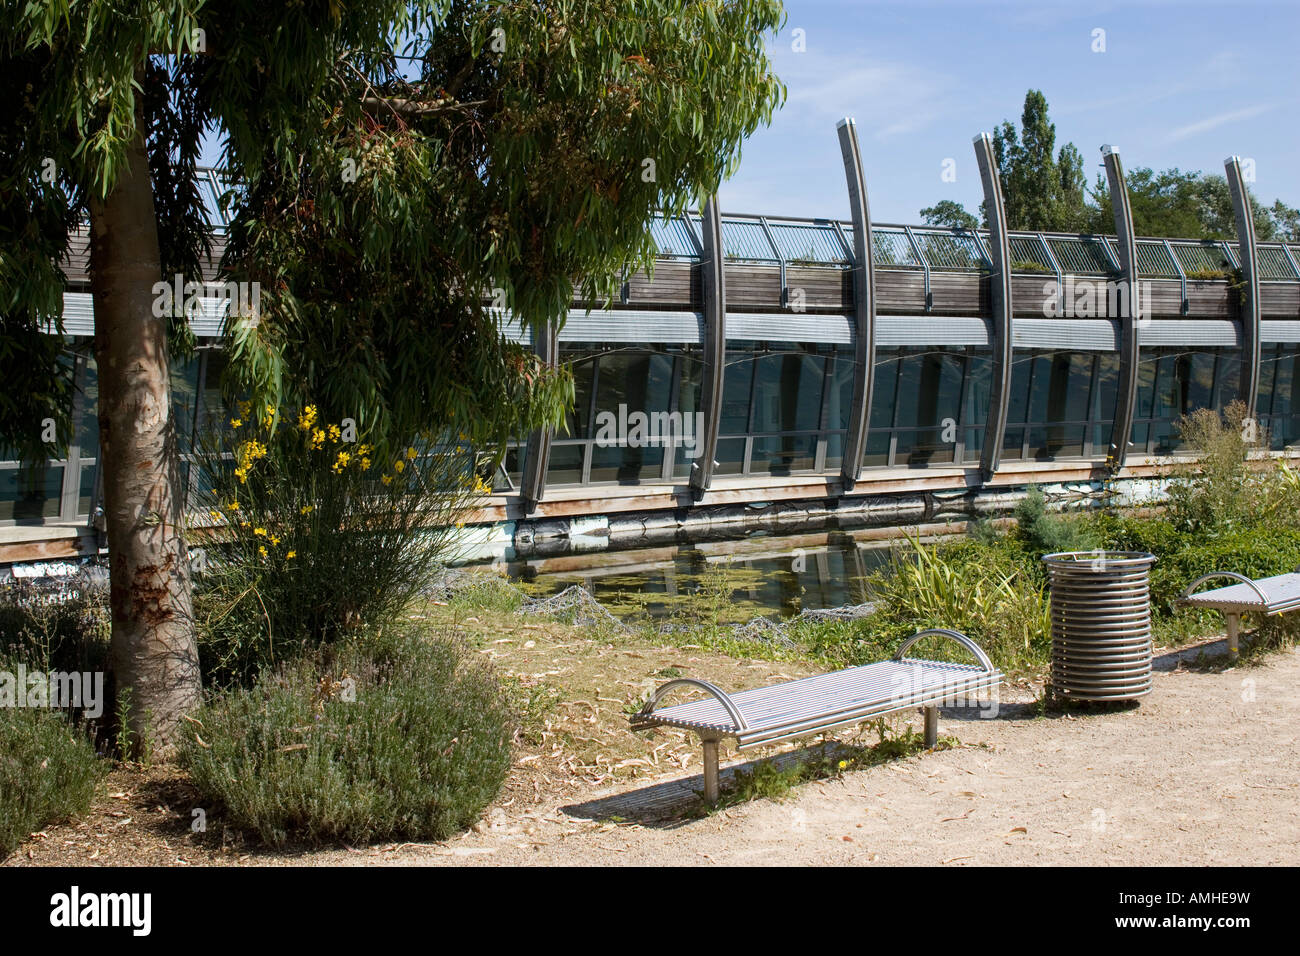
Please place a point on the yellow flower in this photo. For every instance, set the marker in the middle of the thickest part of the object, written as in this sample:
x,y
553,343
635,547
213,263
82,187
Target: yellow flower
x,y
364,450
292,554
236,423
317,438
410,453
305,510
341,462
365,464
399,465
843,764
260,532
387,479
261,549
215,514
275,539
242,475
307,418
335,433
233,506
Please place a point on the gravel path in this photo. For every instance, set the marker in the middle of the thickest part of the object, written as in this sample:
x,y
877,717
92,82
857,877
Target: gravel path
x,y
1205,771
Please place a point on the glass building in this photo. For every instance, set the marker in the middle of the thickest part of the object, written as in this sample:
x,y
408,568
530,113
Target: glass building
x,y
792,370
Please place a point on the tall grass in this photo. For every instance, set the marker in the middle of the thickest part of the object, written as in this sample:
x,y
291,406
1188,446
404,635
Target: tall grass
x,y
987,593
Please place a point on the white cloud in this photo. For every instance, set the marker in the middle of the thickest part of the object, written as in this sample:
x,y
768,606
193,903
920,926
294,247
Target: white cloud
x,y
1214,122
886,99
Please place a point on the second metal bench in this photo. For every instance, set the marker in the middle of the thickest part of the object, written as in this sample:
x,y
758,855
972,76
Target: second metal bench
x,y
1274,595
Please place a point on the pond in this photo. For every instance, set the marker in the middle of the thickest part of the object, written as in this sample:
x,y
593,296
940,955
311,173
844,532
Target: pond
x,y
761,574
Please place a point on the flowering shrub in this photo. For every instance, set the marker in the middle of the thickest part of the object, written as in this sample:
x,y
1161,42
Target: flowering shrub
x,y
316,535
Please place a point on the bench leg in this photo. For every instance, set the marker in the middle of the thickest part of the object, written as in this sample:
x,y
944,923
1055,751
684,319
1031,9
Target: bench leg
x,y
710,772
931,726
1234,626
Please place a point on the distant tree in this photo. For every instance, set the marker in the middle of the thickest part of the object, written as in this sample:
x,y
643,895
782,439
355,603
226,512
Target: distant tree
x,y
948,213
1286,221
1191,205
1041,190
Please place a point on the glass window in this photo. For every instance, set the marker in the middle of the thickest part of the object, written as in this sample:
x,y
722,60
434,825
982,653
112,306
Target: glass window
x,y
30,493
788,392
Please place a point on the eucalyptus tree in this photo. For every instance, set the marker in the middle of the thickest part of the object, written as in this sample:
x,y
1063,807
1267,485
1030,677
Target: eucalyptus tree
x,y
404,169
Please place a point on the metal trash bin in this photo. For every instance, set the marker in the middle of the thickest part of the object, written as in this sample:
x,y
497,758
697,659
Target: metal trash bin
x,y
1101,624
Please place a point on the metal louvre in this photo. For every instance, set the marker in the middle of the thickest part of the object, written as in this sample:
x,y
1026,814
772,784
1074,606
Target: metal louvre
x,y
1026,249
813,243
1081,256
79,315
1153,259
1190,332
633,325
673,239
746,239
790,327
514,330
899,330
1086,335
950,251
1201,256
1273,262
1279,330
891,249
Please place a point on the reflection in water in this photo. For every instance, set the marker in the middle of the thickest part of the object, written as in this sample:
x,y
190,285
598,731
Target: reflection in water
x,y
759,576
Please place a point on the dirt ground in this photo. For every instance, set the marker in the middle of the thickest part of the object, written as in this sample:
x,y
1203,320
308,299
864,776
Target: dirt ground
x,y
1204,771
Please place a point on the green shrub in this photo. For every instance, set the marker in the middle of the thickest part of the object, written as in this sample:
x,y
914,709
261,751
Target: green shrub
x,y
405,738
1217,492
1045,532
48,773
316,538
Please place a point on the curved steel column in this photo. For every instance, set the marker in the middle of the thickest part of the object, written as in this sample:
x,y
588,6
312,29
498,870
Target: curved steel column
x,y
532,483
864,306
1250,309
1130,344
1000,251
713,284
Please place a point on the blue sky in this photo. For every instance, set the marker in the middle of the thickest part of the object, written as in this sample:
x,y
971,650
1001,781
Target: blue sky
x,y
1181,84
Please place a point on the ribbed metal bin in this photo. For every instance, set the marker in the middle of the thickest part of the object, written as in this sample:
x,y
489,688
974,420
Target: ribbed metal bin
x,y
1101,624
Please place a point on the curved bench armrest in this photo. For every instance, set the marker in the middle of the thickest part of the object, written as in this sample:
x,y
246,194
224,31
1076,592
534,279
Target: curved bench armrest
x,y
1187,592
957,636
732,710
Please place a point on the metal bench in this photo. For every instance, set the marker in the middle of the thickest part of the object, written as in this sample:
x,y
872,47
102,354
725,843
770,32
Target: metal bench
x,y
1275,595
813,705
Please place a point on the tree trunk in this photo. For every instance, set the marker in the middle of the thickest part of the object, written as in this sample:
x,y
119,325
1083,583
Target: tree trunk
x,y
154,653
